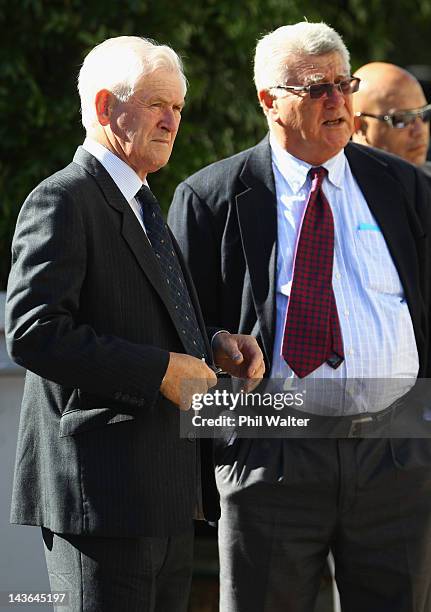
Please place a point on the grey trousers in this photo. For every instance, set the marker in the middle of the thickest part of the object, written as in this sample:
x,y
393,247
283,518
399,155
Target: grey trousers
x,y
100,574
286,503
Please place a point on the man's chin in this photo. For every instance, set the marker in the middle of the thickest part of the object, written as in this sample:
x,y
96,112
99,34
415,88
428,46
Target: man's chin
x,y
418,159
156,164
335,145
337,137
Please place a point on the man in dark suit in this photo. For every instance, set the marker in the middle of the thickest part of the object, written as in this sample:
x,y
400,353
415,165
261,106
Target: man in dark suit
x,y
319,248
103,314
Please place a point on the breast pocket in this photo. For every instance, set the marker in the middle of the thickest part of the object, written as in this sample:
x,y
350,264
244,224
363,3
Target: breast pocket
x,y
375,262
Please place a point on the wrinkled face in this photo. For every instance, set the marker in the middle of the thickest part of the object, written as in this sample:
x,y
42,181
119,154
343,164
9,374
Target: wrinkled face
x,y
144,128
312,129
410,142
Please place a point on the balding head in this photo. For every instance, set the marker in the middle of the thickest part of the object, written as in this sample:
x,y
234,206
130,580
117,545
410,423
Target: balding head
x,y
386,88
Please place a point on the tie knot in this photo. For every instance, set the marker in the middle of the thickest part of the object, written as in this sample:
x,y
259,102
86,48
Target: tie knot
x,y
150,209
145,195
319,173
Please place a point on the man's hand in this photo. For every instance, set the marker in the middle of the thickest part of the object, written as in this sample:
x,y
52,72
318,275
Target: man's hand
x,y
185,376
240,356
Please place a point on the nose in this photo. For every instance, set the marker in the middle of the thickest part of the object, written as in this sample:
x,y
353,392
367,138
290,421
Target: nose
x,y
169,120
418,130
419,125
335,98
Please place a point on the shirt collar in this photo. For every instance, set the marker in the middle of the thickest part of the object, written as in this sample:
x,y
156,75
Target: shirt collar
x,y
295,171
126,179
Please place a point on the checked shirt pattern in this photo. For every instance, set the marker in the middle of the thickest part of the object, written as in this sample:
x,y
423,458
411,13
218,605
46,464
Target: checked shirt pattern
x,y
312,333
161,242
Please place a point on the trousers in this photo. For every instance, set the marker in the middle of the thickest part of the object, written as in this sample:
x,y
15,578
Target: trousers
x,y
103,574
287,503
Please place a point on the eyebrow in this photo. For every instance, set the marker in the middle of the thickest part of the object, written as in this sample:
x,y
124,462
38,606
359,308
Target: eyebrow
x,y
321,78
314,78
164,100
396,111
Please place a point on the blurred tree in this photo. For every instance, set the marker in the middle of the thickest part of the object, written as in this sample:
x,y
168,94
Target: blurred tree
x,y
44,42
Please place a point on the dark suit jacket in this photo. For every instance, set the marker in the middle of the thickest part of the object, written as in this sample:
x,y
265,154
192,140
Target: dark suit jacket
x,y
88,314
225,220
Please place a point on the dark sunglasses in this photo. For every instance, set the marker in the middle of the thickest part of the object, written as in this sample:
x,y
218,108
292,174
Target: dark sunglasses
x,y
317,90
402,119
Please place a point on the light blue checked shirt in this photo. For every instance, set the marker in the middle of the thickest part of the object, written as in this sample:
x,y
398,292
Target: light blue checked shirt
x,y
376,326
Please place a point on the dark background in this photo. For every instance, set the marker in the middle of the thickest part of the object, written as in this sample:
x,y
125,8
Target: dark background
x,y
43,44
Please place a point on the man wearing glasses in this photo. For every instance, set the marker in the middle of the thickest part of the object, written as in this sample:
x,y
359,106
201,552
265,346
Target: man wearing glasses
x,y
320,248
391,112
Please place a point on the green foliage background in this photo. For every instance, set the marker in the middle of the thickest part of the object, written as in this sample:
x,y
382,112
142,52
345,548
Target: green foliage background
x,y
44,42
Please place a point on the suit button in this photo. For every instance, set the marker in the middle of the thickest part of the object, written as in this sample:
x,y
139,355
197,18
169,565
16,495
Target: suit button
x,y
191,436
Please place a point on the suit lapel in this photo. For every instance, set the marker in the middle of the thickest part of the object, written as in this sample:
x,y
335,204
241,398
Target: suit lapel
x,y
131,230
385,199
257,217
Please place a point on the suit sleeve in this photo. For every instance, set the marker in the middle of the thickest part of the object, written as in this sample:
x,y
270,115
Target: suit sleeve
x,y
43,330
194,228
423,210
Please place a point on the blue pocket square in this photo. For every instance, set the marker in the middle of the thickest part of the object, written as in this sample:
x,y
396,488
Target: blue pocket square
x,y
369,227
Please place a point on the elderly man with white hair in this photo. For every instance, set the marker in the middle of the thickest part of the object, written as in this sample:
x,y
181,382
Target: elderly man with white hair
x,y
102,312
321,249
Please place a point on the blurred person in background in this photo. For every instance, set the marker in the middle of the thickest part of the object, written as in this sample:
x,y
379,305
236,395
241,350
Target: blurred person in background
x,y
391,112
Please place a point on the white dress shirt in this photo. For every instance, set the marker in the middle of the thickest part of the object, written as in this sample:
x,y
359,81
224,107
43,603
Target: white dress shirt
x,y
376,326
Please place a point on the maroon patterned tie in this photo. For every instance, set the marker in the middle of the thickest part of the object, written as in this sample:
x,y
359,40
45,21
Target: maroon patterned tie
x,y
312,333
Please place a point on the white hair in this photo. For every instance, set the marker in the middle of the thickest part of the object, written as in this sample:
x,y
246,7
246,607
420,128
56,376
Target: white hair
x,y
271,60
118,64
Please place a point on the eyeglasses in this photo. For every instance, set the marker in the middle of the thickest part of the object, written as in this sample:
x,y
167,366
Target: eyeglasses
x,y
402,119
317,90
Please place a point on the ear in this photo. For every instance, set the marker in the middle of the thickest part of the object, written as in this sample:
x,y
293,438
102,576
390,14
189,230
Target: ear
x,y
104,104
267,101
359,125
